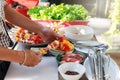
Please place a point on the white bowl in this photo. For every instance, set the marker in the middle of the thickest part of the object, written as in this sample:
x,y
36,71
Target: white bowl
x,y
71,66
79,32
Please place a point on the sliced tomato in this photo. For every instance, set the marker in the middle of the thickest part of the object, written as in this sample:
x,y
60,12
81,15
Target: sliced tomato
x,y
65,47
38,40
61,38
32,37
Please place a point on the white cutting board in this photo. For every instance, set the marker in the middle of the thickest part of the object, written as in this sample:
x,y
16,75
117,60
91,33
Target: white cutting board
x,y
45,70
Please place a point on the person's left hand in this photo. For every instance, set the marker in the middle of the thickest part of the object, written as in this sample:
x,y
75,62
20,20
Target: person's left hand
x,y
32,58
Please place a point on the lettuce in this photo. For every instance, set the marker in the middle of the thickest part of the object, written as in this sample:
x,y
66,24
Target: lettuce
x,y
63,12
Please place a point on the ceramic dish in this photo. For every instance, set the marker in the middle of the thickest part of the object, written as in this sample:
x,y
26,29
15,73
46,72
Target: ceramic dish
x,y
113,69
66,70
84,50
79,32
64,48
59,57
89,46
56,52
89,43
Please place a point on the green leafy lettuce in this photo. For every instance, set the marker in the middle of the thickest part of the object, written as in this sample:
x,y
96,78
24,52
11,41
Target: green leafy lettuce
x,y
63,12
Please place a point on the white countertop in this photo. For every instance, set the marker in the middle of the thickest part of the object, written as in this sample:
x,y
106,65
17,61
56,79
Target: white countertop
x,y
46,70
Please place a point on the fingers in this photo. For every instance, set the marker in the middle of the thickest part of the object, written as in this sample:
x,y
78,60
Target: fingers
x,y
57,36
49,35
39,55
36,52
33,58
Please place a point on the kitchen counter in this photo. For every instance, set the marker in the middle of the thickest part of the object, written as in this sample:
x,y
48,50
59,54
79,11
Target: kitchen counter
x,y
45,70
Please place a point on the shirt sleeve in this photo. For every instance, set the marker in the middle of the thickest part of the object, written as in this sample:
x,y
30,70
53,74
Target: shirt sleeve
x,y
2,3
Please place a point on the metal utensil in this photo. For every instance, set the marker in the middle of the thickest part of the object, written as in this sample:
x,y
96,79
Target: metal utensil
x,y
95,67
99,63
103,67
107,75
90,57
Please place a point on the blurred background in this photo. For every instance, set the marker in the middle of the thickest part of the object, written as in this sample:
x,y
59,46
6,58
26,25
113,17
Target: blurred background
x,y
96,8
104,17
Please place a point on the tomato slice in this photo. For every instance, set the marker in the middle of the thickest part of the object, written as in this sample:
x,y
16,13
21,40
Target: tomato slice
x,y
61,38
38,40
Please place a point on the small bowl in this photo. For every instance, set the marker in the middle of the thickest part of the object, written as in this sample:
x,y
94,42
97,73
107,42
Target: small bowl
x,y
79,32
71,66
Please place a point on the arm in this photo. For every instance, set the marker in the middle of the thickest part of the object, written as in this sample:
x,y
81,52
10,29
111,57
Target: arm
x,y
22,21
11,55
18,19
32,58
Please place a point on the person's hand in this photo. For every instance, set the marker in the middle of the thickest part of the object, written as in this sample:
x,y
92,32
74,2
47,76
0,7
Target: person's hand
x,y
49,35
32,58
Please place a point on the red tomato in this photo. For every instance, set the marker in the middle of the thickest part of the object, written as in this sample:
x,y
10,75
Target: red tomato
x,y
32,37
66,47
61,38
38,40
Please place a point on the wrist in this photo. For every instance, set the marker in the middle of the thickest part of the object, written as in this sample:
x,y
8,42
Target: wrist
x,y
24,58
39,29
20,57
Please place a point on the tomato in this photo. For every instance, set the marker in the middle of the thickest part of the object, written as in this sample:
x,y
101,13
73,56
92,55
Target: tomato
x,y
28,37
19,31
61,38
38,40
66,47
32,37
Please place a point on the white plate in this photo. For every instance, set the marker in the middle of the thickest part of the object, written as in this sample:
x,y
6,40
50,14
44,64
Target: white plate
x,y
84,50
114,71
88,46
89,43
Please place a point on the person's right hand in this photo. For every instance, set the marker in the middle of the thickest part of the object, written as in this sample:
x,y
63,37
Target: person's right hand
x,y
32,58
49,35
